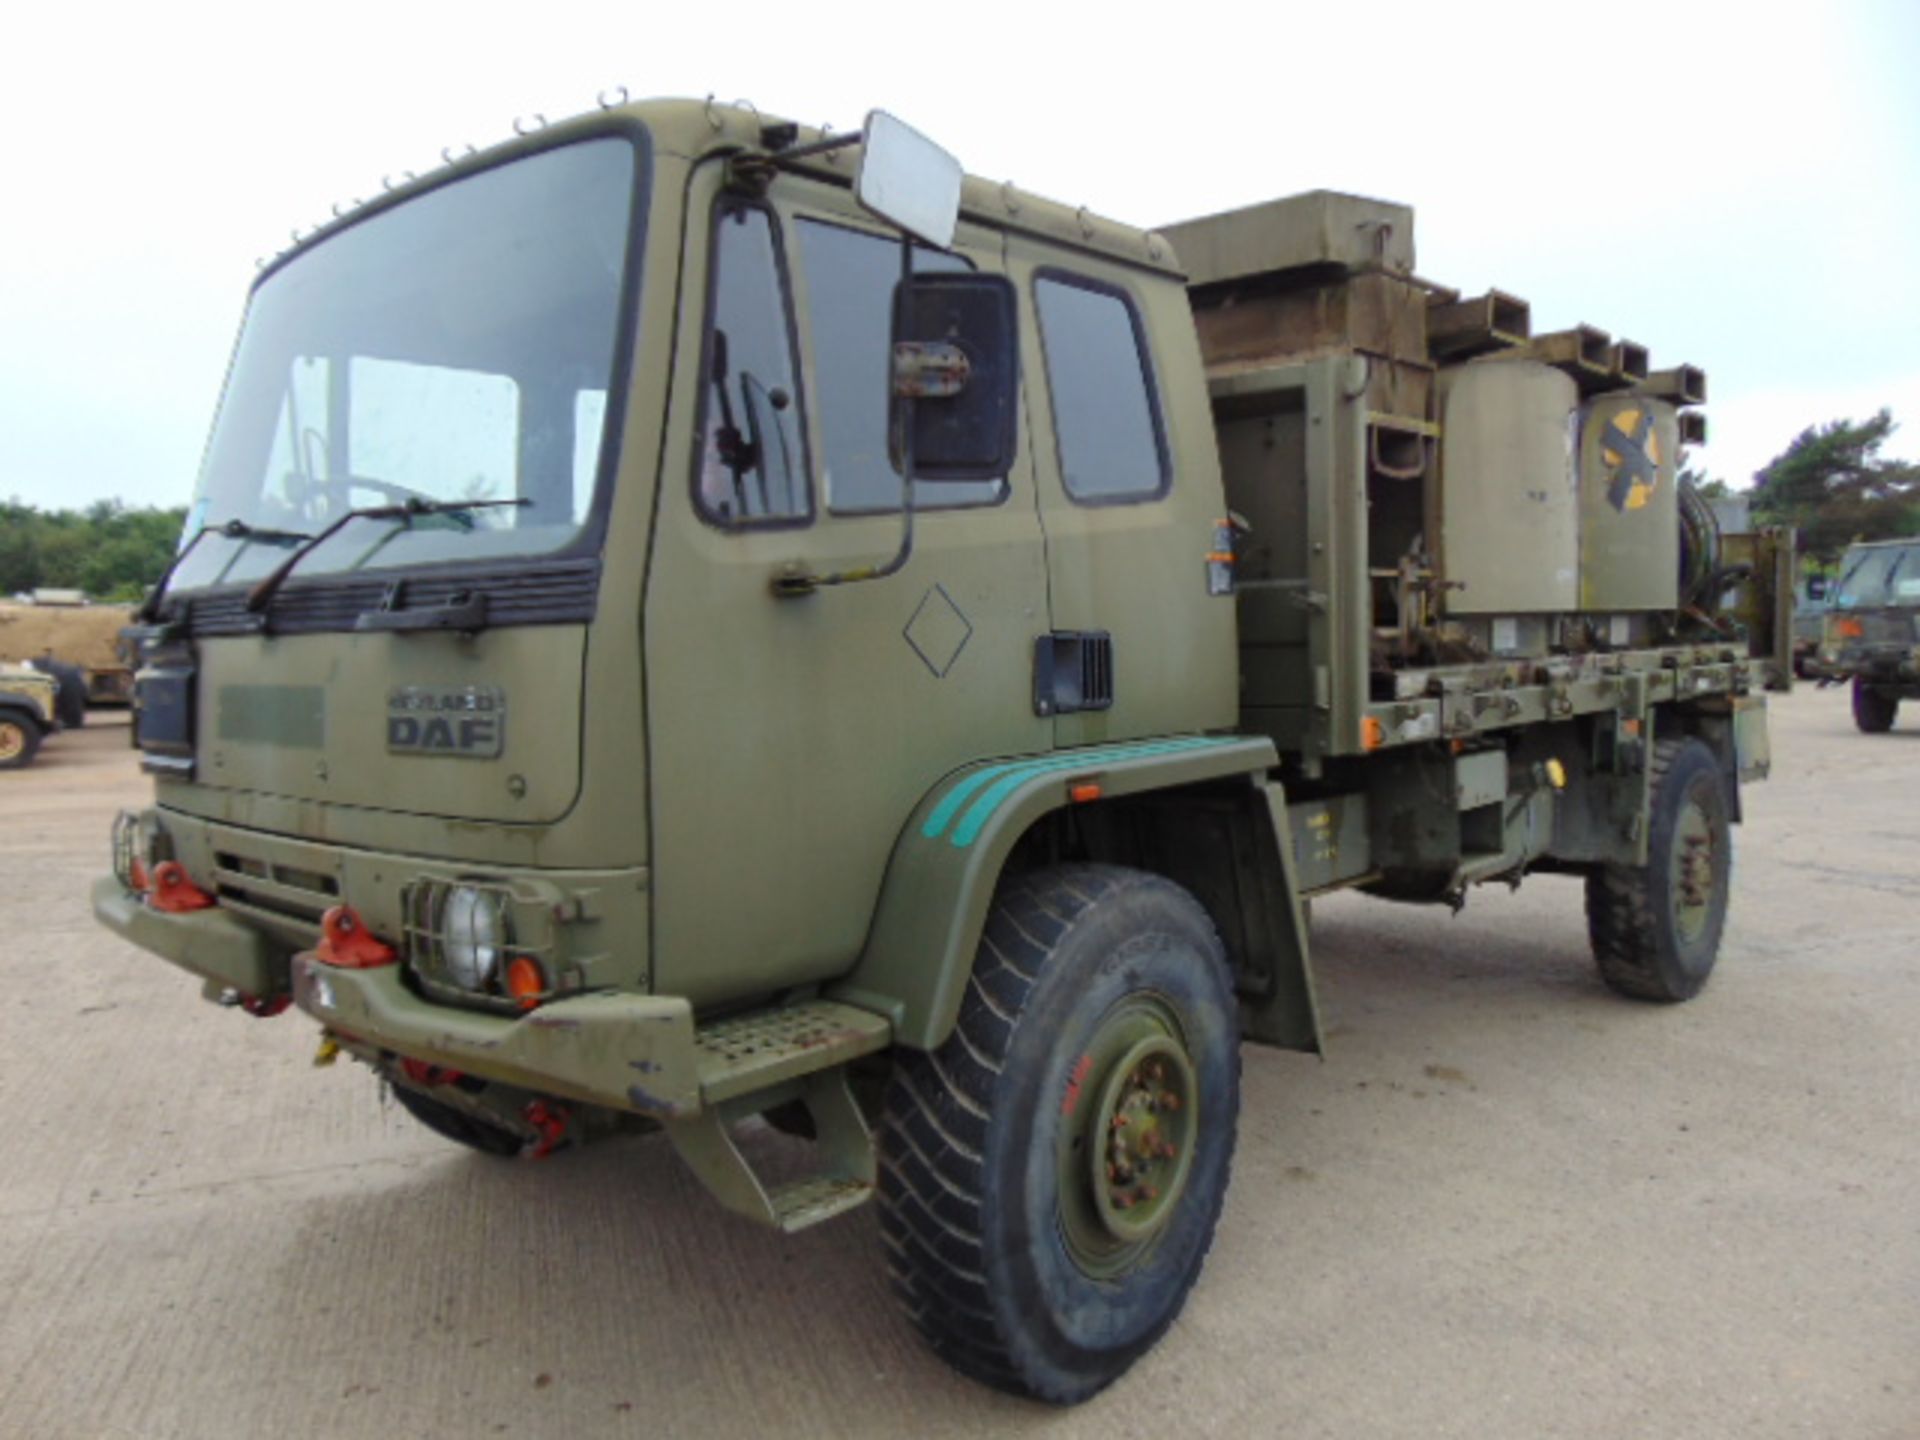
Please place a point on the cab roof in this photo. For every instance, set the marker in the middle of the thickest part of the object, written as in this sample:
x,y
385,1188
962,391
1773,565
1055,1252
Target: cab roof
x,y
694,129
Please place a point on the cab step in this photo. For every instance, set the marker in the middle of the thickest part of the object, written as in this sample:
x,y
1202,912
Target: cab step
x,y
747,1062
762,1048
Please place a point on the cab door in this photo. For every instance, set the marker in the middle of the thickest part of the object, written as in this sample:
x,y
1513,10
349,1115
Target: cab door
x,y
790,737
1130,494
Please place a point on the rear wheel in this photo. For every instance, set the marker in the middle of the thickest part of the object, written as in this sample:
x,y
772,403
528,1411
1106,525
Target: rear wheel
x,y
19,742
1873,710
1656,928
1051,1177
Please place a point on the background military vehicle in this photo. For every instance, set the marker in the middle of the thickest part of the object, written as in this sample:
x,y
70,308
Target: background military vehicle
x,y
1873,629
1809,625
568,704
78,641
29,712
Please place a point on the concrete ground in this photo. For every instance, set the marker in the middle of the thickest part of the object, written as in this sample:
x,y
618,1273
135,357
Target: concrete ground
x,y
1507,1204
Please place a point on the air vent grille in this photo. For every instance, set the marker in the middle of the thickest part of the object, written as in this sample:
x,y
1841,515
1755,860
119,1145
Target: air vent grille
x,y
1072,672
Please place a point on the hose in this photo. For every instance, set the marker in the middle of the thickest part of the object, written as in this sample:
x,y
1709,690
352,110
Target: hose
x,y
1701,579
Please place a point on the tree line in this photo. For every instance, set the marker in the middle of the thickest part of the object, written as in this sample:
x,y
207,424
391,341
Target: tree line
x,y
1832,484
109,550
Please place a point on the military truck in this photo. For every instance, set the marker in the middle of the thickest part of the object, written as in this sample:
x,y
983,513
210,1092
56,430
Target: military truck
x,y
1809,625
78,642
1873,630
692,620
29,713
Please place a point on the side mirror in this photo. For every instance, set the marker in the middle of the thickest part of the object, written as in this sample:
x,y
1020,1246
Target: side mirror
x,y
907,180
956,374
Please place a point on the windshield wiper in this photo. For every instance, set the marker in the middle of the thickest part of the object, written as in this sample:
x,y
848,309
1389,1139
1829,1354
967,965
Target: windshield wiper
x,y
406,512
1900,558
149,610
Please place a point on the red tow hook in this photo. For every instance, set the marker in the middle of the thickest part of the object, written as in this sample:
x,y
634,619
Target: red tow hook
x,y
265,1007
549,1123
173,892
427,1075
347,944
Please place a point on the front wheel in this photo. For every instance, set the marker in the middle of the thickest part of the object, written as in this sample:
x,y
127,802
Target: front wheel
x,y
1873,710
1656,927
19,742
1051,1176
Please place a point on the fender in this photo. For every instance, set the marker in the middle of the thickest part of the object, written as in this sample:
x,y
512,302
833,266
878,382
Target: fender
x,y
19,708
946,864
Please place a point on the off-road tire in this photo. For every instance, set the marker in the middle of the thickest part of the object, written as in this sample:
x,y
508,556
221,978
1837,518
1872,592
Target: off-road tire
x,y
1633,912
1874,711
981,1140
457,1125
70,693
19,741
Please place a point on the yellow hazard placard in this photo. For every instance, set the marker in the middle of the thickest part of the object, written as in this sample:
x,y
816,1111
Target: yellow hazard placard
x,y
1630,449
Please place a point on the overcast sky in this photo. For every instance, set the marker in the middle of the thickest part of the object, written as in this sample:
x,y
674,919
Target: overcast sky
x,y
1735,186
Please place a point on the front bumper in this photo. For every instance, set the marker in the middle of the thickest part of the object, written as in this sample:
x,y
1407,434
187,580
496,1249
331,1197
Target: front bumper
x,y
1894,675
1874,663
223,951
631,1052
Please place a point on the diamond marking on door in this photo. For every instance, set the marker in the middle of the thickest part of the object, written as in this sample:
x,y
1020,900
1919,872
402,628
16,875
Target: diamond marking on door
x,y
938,631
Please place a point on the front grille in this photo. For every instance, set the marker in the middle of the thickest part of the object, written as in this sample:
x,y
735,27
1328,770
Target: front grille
x,y
286,891
555,592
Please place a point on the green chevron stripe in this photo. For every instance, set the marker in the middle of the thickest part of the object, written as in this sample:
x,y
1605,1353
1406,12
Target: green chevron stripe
x,y
995,783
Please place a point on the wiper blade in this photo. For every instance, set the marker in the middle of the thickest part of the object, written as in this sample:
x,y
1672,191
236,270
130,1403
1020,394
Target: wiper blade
x,y
407,511
236,529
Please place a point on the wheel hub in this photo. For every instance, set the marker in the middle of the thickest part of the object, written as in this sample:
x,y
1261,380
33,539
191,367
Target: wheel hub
x,y
1125,1158
13,740
1139,1172
1693,858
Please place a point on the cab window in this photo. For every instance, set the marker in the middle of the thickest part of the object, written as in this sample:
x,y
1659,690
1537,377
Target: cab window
x,y
1106,423
850,280
752,465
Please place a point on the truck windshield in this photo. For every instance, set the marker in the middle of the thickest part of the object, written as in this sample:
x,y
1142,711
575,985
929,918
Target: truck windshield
x,y
459,346
1879,575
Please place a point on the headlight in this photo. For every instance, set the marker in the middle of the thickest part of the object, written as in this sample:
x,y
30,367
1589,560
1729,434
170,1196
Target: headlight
x,y
473,933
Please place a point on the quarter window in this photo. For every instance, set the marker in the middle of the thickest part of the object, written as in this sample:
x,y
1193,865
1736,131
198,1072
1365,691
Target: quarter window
x,y
752,466
1105,422
850,280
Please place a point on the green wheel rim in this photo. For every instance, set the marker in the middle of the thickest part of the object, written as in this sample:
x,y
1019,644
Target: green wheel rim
x,y
1692,869
1128,1127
